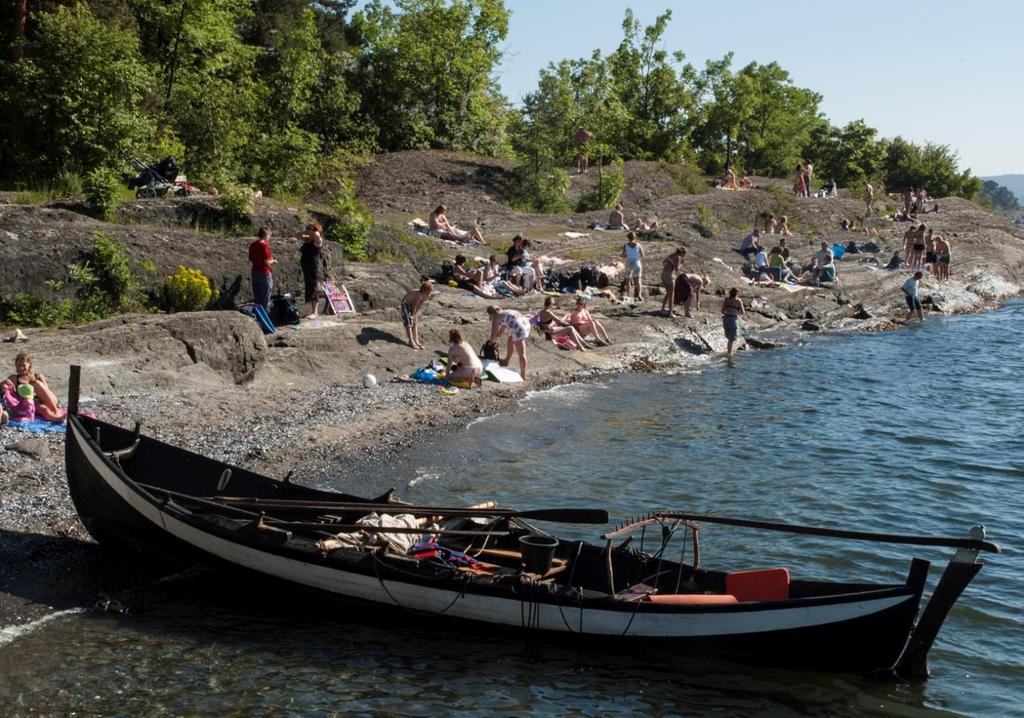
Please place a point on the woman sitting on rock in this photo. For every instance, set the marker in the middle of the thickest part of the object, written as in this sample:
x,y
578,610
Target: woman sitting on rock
x,y
46,406
555,326
585,324
441,227
464,366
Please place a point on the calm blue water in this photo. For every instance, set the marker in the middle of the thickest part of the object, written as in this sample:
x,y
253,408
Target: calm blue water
x,y
918,431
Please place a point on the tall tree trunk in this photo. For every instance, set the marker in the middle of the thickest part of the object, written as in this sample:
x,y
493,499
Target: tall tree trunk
x,y
174,51
20,17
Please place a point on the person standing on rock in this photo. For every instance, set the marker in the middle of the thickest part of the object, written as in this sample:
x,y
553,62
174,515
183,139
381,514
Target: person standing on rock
x,y
518,329
412,305
672,264
580,141
633,253
869,197
310,256
910,292
262,262
943,256
732,310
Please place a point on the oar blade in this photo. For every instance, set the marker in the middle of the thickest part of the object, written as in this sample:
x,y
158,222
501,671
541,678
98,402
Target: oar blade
x,y
567,516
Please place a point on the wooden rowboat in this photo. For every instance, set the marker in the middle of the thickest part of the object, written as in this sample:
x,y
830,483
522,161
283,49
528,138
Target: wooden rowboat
x,y
151,499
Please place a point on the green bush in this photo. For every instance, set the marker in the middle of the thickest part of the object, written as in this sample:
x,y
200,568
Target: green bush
x,y
707,223
610,186
102,186
689,180
187,290
28,310
541,191
238,204
354,222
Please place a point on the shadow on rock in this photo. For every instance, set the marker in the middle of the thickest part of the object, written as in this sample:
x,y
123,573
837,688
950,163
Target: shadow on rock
x,y
372,334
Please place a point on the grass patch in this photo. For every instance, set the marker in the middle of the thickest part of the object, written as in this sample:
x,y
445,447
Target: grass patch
x,y
584,254
707,223
687,179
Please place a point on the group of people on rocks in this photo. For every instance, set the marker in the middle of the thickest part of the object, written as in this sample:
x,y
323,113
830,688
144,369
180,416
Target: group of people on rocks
x,y
617,220
577,329
729,181
922,248
779,265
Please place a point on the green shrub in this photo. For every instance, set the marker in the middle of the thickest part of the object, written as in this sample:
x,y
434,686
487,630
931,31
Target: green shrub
x,y
541,191
689,180
187,290
707,223
354,222
612,182
28,310
68,184
238,204
102,186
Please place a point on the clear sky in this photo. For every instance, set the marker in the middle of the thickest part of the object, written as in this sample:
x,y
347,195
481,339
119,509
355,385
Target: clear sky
x,y
946,71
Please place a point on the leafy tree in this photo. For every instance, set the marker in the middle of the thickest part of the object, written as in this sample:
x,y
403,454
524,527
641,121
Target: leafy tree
x,y
1001,198
655,85
79,90
425,74
931,166
848,154
721,114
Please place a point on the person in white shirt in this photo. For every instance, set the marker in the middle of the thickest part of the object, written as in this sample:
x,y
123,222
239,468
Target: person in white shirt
x,y
633,253
910,291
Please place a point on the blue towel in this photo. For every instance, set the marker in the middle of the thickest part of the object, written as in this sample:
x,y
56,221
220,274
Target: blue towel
x,y
37,426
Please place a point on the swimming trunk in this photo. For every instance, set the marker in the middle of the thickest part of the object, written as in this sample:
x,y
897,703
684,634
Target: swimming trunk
x,y
930,258
945,259
918,247
406,314
518,326
730,323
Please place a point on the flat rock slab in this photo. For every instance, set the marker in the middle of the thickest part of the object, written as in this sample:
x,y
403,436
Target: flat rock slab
x,y
34,447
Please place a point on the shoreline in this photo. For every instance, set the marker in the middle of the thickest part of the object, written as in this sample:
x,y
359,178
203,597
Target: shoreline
x,y
53,542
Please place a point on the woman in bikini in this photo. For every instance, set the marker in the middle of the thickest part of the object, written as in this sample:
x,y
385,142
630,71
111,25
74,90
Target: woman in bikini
x,y
46,401
672,264
555,326
585,324
943,256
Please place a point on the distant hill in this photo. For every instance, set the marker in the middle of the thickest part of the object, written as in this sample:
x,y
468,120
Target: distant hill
x,y
1014,183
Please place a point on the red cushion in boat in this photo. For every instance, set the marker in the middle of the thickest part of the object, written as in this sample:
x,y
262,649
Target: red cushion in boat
x,y
690,598
763,584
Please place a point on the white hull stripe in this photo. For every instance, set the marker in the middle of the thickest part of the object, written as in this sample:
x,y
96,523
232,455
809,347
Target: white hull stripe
x,y
489,609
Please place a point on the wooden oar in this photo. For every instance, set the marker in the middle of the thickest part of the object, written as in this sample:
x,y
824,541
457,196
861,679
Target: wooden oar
x,y
352,528
969,543
313,526
563,515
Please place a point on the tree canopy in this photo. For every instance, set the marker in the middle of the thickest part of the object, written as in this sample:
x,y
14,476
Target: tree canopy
x,y
280,93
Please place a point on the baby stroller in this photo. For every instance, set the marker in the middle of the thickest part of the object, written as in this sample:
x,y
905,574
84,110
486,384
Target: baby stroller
x,y
157,180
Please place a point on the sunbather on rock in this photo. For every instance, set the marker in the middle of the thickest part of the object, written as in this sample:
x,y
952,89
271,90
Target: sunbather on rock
x,y
585,324
617,218
555,326
44,400
441,227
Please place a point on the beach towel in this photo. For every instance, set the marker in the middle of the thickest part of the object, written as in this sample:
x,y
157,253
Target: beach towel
x,y
574,235
37,426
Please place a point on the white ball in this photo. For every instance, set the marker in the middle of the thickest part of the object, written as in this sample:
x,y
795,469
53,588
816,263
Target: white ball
x,y
369,381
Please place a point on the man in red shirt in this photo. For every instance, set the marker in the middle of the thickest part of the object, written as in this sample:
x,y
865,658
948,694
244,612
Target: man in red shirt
x,y
262,260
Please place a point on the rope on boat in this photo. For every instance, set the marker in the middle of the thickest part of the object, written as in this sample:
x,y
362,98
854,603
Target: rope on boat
x,y
570,590
377,563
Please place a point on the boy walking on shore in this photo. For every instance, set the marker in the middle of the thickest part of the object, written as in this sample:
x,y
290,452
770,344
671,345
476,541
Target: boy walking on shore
x,y
910,291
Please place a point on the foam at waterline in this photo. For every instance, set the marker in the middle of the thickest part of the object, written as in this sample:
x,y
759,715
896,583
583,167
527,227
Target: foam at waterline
x,y
11,633
422,476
